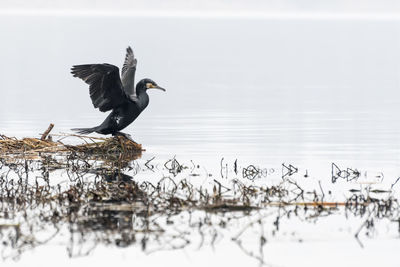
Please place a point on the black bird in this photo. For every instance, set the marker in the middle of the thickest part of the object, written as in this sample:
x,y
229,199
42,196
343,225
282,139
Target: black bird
x,y
109,92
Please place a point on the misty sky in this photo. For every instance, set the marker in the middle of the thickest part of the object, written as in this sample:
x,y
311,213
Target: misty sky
x,y
381,9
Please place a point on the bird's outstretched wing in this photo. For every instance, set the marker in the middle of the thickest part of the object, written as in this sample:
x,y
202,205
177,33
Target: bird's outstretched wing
x,y
128,74
105,85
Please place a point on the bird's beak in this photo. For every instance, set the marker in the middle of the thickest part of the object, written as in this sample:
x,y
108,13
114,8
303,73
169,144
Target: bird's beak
x,y
157,87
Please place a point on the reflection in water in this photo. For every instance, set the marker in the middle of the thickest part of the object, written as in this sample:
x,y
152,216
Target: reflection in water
x,y
83,203
304,112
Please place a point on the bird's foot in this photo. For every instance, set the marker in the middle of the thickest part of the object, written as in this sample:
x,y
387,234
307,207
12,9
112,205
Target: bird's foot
x,y
127,136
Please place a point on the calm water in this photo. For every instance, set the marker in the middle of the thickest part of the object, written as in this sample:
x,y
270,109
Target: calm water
x,y
264,92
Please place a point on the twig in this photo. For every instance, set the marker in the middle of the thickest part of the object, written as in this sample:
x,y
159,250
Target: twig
x,y
81,136
46,133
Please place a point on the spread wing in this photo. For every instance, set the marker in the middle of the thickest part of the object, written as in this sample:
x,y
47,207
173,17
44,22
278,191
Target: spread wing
x,y
105,86
128,74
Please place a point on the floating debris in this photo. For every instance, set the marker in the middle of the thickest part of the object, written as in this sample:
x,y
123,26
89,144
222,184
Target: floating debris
x,y
91,193
34,147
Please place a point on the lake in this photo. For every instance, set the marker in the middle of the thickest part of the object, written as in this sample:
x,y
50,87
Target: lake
x,y
320,95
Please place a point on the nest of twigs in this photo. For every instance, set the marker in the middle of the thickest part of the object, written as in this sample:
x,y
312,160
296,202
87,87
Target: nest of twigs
x,y
112,145
45,144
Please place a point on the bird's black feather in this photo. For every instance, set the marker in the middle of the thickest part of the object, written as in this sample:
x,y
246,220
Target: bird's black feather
x,y
105,85
84,130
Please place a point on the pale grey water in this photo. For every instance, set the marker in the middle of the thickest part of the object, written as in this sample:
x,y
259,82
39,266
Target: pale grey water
x,y
307,92
251,88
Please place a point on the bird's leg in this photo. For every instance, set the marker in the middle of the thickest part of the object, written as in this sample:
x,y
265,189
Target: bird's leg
x,y
127,136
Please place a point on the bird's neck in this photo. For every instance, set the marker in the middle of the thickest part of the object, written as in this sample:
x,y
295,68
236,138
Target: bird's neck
x,y
143,99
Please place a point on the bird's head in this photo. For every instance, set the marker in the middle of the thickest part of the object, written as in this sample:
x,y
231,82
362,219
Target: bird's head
x,y
146,84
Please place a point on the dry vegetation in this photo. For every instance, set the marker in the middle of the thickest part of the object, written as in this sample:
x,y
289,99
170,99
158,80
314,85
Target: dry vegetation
x,y
31,147
114,208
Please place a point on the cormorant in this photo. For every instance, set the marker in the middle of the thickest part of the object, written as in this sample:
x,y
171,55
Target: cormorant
x,y
109,92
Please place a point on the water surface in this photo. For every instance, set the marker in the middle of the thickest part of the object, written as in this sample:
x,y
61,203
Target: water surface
x,y
266,92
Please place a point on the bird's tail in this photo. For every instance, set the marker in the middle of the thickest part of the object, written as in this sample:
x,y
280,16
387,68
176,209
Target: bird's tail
x,y
84,130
